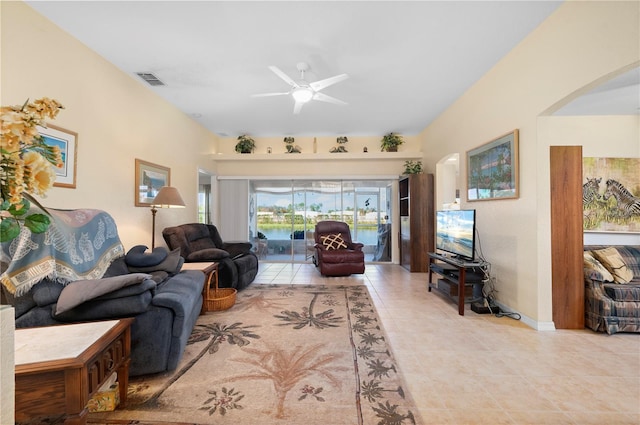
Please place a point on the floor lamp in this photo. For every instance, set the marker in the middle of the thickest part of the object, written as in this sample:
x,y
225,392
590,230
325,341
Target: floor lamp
x,y
167,197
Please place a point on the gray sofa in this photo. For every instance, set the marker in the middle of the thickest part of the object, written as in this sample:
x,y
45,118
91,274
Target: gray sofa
x,y
147,286
609,306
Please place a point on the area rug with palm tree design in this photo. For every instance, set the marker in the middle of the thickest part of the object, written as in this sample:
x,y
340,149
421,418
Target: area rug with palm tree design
x,y
283,354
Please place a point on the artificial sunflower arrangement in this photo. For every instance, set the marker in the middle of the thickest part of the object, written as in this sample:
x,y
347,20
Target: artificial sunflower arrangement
x,y
26,165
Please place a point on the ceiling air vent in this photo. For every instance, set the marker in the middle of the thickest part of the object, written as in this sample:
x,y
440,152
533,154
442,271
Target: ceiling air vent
x,y
151,79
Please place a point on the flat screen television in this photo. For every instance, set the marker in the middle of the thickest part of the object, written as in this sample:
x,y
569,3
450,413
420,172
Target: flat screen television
x,y
456,233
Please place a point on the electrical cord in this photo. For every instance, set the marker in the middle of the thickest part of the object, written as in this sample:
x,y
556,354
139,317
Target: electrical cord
x,y
511,315
488,288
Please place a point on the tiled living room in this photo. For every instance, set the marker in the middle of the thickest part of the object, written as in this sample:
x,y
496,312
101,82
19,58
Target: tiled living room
x,y
436,73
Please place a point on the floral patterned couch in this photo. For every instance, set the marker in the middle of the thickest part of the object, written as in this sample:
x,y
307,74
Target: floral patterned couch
x,y
612,288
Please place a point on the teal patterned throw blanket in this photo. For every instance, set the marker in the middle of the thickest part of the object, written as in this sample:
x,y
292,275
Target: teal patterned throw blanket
x,y
79,244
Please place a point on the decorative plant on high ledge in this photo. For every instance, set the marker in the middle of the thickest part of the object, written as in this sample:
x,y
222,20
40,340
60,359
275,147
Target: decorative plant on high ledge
x,y
390,142
413,167
340,148
245,144
26,166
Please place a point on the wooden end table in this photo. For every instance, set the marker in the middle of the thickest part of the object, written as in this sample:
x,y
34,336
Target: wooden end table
x,y
210,270
59,368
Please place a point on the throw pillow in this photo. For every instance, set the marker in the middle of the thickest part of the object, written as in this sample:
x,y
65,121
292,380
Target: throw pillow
x,y
591,264
612,260
137,257
333,242
172,263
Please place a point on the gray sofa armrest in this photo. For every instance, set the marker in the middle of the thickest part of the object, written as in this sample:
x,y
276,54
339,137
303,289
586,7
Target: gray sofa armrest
x,y
180,293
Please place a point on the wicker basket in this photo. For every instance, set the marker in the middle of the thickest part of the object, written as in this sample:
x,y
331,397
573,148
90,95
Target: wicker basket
x,y
220,298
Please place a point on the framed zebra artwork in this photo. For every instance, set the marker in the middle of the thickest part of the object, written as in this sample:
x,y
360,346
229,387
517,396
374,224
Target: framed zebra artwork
x,y
611,194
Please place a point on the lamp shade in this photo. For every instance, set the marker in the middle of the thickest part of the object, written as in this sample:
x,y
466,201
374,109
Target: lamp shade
x,y
168,197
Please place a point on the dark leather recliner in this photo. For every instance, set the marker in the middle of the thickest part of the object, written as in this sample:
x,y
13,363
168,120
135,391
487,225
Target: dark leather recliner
x,y
238,265
336,254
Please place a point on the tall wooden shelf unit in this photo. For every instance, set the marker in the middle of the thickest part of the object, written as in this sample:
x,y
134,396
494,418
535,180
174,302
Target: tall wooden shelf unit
x,y
417,221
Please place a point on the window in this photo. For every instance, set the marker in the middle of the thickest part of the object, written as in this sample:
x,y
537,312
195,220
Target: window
x,y
286,212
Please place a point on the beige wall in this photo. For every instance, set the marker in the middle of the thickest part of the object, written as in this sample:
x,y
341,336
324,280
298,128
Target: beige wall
x,y
580,43
116,117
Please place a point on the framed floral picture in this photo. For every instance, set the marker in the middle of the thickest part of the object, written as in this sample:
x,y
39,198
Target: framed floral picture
x,y
67,141
492,169
149,179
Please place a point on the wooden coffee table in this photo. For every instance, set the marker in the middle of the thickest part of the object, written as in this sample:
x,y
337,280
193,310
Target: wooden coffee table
x,y
59,368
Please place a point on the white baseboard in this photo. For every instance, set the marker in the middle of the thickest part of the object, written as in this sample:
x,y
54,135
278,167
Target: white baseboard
x,y
546,326
539,326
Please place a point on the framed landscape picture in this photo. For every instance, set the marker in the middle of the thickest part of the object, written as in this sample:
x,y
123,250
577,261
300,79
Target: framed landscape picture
x,y
67,141
492,169
149,179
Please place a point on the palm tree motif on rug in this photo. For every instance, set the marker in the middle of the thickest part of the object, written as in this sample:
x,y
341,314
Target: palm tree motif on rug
x,y
308,317
285,369
281,352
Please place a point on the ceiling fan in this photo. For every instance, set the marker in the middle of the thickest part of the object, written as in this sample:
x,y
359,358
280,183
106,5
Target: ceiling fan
x,y
303,91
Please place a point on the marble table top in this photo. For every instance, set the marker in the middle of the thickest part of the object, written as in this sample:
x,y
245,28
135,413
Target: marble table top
x,y
48,343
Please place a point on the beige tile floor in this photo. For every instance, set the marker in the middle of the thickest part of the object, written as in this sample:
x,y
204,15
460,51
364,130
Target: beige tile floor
x,y
481,369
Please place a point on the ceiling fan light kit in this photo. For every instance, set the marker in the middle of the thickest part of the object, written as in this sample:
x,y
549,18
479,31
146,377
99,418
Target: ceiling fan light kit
x,y
303,92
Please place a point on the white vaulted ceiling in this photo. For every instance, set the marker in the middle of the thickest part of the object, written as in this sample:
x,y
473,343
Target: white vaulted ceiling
x,y
406,61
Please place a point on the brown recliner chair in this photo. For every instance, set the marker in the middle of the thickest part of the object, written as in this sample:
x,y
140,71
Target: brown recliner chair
x,y
336,254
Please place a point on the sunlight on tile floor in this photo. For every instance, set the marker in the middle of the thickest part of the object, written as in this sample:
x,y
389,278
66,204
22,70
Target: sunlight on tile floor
x,y
481,369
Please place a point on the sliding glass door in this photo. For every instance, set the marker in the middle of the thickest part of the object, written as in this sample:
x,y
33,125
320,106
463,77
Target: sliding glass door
x,y
286,212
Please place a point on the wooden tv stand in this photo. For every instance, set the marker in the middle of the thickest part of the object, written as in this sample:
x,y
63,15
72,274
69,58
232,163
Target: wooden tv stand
x,y
454,275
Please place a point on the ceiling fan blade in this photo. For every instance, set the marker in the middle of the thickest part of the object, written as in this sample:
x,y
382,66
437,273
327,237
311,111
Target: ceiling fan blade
x,y
297,107
270,94
284,76
324,98
319,85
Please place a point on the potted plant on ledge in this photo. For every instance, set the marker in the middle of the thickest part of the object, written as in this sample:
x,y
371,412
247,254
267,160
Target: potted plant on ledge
x,y
413,167
390,142
245,144
340,148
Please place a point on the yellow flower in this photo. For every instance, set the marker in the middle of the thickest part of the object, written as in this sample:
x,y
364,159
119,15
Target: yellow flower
x,y
41,174
15,195
44,107
26,162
